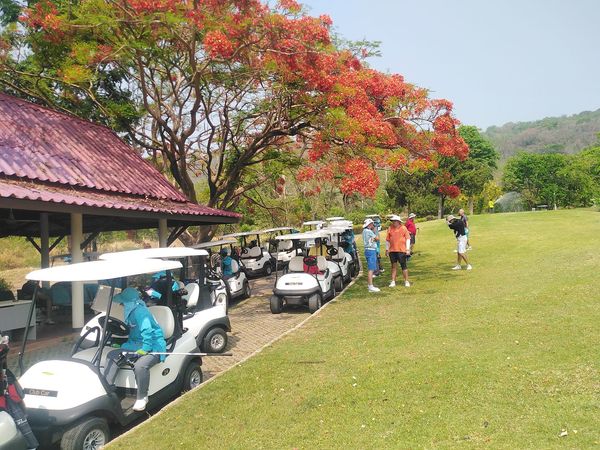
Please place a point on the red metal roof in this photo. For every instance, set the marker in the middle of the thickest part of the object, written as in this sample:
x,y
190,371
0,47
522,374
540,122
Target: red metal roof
x,y
30,190
50,156
41,144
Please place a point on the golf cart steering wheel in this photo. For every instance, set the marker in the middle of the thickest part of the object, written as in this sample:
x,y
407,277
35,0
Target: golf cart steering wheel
x,y
115,327
244,250
332,251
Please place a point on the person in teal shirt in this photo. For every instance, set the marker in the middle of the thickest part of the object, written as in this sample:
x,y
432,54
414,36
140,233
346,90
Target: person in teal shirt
x,y
226,265
145,336
370,242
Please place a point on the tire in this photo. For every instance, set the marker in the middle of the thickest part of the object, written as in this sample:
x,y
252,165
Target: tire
x,y
339,284
276,304
268,269
247,290
90,433
314,303
192,377
215,341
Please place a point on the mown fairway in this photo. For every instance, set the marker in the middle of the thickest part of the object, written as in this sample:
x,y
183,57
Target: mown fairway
x,y
505,356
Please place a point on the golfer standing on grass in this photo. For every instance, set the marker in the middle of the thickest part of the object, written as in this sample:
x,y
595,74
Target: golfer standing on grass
x,y
398,248
458,227
370,242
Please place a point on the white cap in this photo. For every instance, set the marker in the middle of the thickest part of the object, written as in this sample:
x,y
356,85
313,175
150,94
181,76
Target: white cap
x,y
367,223
412,215
395,217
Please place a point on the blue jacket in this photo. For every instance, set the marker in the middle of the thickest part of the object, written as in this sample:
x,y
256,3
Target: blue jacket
x,y
145,332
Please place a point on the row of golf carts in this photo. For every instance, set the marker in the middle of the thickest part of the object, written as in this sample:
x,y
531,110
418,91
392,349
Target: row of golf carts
x,y
69,401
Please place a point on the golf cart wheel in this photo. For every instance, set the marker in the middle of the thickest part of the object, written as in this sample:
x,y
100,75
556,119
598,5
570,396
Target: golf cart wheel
x,y
215,341
314,303
268,269
90,434
339,284
192,377
247,290
276,304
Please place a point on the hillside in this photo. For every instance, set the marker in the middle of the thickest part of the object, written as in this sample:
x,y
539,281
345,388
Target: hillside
x,y
566,134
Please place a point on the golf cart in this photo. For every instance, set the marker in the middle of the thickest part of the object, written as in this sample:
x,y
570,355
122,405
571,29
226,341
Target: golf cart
x,y
237,285
256,260
199,302
282,251
69,400
312,225
309,279
337,254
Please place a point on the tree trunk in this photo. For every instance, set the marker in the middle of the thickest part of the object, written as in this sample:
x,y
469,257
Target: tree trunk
x,y
441,207
470,205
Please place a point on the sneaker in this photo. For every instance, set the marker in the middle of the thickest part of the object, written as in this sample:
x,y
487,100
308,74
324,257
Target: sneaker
x,y
406,284
457,267
374,289
381,270
393,284
469,267
140,404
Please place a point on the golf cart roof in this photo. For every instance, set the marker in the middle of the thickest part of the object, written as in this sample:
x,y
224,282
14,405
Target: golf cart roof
x,y
102,270
218,243
373,216
336,229
163,252
244,233
330,219
307,236
313,222
272,230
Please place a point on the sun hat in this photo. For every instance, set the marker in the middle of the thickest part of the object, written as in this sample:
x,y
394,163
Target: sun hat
x,y
396,217
412,215
451,218
368,222
161,274
128,295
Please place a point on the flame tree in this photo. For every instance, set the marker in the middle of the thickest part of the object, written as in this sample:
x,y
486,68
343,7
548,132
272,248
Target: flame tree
x,y
214,89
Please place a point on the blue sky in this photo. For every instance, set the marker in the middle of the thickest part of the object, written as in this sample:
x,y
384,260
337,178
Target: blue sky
x,y
498,60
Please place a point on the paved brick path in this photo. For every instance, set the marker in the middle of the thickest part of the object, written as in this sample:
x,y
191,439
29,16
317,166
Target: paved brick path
x,y
252,324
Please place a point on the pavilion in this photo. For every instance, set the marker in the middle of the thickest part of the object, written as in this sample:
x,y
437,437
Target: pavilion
x,y
61,175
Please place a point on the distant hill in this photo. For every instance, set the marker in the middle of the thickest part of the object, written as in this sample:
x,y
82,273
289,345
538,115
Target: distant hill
x,y
566,134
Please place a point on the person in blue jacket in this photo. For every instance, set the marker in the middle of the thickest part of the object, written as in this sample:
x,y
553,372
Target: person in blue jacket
x,y
145,337
226,265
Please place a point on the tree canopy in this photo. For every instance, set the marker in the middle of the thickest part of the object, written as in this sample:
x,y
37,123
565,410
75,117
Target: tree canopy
x,y
212,90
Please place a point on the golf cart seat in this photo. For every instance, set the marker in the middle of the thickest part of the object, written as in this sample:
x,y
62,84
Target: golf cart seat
x,y
340,254
192,296
321,264
164,317
100,303
285,246
235,267
296,264
254,252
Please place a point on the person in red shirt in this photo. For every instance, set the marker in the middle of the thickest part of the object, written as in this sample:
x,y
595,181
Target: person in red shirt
x,y
412,229
398,248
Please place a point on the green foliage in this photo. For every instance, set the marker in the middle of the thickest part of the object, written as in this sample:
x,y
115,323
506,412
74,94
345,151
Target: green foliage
x,y
553,178
566,134
4,285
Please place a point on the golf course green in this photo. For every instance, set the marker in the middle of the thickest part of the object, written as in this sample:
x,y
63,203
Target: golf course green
x,y
503,356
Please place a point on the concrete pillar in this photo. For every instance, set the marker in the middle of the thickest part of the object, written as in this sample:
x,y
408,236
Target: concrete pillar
x,y
77,256
163,233
45,244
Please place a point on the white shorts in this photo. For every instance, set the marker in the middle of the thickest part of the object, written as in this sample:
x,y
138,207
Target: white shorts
x,y
462,244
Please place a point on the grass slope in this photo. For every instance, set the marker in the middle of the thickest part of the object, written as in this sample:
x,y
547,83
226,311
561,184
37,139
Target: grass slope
x,y
504,356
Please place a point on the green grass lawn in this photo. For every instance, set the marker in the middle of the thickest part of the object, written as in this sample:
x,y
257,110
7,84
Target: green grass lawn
x,y
504,356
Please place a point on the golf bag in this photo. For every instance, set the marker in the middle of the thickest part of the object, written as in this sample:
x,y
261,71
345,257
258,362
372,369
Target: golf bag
x,y
11,398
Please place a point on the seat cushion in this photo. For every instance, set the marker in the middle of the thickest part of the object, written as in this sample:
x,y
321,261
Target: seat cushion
x,y
164,317
296,264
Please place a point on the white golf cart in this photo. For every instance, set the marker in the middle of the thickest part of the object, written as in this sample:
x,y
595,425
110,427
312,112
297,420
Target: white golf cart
x,y
312,225
69,400
198,301
237,285
256,260
281,251
309,280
